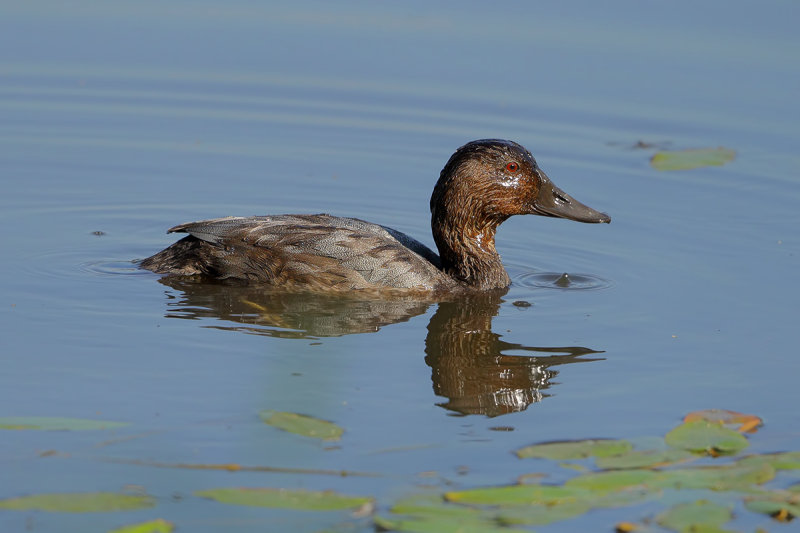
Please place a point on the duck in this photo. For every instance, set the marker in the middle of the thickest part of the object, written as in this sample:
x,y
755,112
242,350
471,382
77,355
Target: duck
x,y
484,183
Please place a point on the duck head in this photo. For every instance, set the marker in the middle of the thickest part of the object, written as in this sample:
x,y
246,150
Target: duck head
x,y
484,183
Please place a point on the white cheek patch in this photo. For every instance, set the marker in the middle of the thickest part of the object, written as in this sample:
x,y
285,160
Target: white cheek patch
x,y
511,182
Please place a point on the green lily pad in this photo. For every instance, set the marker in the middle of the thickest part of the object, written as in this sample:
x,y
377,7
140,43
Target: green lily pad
x,y
79,502
614,480
781,505
152,526
45,423
689,159
302,425
706,437
540,515
433,505
695,516
643,459
727,477
516,495
624,497
286,499
779,461
578,449
430,524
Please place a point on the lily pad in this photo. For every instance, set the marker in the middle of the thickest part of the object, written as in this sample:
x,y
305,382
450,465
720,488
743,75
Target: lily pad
x,y
728,477
432,505
779,461
578,449
432,524
689,159
695,516
516,495
540,515
286,499
643,459
711,438
152,526
45,423
614,480
79,502
746,423
783,506
305,425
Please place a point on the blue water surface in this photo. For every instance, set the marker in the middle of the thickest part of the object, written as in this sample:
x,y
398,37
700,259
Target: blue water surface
x,y
120,120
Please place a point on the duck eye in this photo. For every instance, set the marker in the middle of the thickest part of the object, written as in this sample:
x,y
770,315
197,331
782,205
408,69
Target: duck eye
x,y
512,167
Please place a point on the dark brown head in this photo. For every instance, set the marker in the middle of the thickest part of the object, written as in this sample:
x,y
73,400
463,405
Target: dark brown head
x,y
496,179
483,184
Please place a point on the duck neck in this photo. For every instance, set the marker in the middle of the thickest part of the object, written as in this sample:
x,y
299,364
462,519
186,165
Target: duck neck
x,y
467,252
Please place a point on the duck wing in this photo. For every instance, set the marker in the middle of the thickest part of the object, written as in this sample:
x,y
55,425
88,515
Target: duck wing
x,y
306,251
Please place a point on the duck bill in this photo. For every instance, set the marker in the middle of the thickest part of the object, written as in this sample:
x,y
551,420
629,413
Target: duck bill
x,y
553,202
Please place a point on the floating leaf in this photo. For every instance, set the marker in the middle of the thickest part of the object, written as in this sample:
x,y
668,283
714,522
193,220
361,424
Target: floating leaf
x,y
516,495
302,425
746,423
79,502
695,516
701,436
286,499
153,526
779,461
783,506
603,482
540,515
727,477
429,524
45,423
689,159
578,449
643,459
433,505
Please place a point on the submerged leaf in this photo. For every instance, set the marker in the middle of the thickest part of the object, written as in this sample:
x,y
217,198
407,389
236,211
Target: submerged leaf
x,y
302,425
689,159
578,449
153,526
701,436
79,502
45,423
286,499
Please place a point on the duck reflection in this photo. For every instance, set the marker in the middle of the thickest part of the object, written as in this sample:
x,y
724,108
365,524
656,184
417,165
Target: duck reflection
x,y
286,315
476,370
470,365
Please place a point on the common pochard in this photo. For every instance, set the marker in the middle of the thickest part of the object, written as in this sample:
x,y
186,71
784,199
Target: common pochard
x,y
484,183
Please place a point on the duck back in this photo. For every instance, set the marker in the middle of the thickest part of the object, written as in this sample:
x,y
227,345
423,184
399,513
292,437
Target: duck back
x,y
302,252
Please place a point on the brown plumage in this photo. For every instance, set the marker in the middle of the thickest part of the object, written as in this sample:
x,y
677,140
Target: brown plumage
x,y
484,183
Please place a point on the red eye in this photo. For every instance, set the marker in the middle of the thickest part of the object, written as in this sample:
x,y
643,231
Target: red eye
x,y
512,167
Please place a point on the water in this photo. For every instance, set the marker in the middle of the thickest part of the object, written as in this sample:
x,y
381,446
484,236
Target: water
x,y
119,121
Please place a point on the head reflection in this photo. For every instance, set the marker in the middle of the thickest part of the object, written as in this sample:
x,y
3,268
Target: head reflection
x,y
471,366
476,370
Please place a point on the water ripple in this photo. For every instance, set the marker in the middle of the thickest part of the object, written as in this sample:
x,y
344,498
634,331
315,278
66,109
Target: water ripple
x,y
562,281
